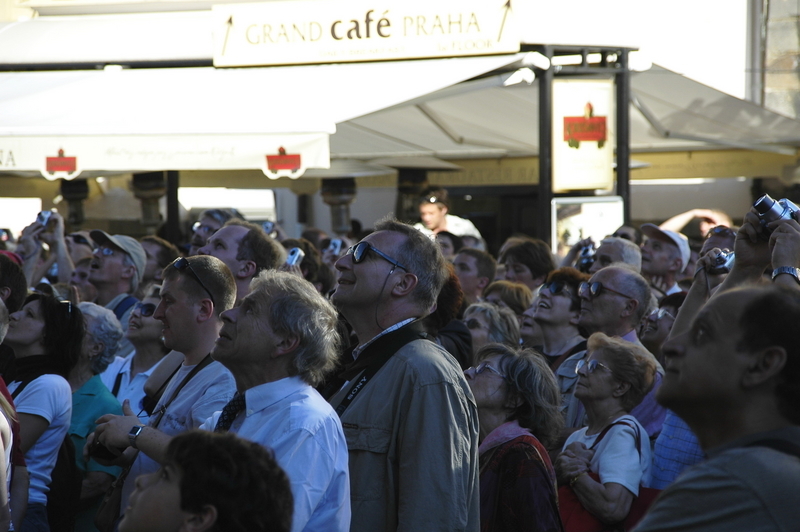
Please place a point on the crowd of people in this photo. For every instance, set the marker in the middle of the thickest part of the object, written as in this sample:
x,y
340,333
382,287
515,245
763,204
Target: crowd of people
x,y
400,379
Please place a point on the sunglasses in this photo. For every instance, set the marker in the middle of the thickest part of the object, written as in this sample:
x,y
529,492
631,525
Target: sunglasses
x,y
198,227
557,287
721,230
105,251
183,264
359,251
592,290
483,366
473,324
590,366
660,313
145,309
80,239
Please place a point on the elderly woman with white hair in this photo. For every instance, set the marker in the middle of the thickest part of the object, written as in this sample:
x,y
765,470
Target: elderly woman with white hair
x,y
90,400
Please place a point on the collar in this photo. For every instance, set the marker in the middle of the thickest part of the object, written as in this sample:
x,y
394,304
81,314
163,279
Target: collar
x,y
116,301
265,395
504,433
91,387
631,337
358,350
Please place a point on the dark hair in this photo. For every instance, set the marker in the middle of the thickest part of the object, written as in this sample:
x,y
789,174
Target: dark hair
x,y
534,254
222,216
423,257
167,252
629,363
517,296
64,330
485,263
456,240
448,304
434,194
259,247
311,260
11,276
673,300
770,319
573,279
530,379
216,277
239,478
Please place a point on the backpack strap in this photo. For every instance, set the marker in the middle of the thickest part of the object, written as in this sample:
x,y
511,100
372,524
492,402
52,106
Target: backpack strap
x,y
123,306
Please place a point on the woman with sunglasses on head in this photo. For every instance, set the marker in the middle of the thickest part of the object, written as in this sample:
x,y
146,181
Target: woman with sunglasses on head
x,y
603,465
556,311
517,398
46,336
125,377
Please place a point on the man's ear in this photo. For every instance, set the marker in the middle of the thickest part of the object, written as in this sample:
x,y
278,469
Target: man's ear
x,y
406,285
287,345
201,521
630,308
483,282
621,389
246,269
5,292
128,272
206,310
766,365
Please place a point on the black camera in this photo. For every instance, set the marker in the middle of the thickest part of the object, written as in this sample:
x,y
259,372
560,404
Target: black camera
x,y
770,210
98,450
586,258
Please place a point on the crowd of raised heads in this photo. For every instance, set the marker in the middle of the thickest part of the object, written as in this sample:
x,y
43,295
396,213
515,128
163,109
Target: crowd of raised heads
x,y
402,377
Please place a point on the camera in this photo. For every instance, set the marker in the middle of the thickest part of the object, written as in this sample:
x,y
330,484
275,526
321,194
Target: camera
x,y
335,247
44,217
98,450
268,226
586,258
770,210
723,263
295,256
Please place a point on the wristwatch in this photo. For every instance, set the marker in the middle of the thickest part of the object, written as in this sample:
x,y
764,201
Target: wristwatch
x,y
134,433
794,272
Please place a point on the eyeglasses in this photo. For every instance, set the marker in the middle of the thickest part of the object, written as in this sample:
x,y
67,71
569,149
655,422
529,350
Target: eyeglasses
x,y
183,264
198,227
483,366
359,251
556,287
146,309
660,313
591,365
105,251
473,324
80,239
592,290
721,230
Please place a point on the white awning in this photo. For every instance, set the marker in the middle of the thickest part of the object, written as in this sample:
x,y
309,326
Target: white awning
x,y
202,118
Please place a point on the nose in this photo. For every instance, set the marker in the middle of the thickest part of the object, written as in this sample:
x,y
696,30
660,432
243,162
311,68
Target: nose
x,y
203,250
15,316
469,373
344,262
675,346
159,312
229,315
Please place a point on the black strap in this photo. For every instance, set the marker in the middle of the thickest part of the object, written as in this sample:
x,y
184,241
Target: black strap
x,y
370,361
195,370
123,306
783,446
21,387
117,384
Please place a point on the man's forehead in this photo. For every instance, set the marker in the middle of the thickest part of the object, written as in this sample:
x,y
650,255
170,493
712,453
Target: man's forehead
x,y
231,234
385,240
729,306
610,248
469,260
663,239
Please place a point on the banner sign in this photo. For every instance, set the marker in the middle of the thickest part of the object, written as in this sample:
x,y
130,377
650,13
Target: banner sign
x,y
583,135
319,31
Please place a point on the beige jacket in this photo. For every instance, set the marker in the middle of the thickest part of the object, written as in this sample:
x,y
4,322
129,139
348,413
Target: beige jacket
x,y
412,439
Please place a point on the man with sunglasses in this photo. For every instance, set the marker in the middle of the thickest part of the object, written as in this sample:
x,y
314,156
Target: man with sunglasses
x,y
116,270
614,302
196,290
407,411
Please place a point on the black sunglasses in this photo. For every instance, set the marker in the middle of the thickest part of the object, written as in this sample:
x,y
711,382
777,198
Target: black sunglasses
x,y
80,239
721,230
145,309
359,251
183,264
592,290
556,287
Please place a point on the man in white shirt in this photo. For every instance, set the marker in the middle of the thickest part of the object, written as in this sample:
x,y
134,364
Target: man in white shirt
x,y
195,292
279,343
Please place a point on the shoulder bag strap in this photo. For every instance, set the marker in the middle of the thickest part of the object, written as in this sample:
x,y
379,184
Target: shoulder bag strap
x,y
195,370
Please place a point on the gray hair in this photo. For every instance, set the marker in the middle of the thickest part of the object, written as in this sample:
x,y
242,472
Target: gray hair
x,y
630,252
128,261
503,323
104,327
424,259
295,308
635,286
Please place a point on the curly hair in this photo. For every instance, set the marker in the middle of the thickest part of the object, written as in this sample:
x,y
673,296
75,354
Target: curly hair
x,y
629,363
104,327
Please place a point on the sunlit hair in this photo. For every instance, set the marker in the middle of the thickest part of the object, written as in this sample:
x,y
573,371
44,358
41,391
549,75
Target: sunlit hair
x,y
104,327
215,275
503,324
239,478
258,246
629,363
517,296
534,253
629,252
529,379
295,308
422,257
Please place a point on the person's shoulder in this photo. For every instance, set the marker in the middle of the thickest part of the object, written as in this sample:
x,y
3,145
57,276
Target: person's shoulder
x,y
426,360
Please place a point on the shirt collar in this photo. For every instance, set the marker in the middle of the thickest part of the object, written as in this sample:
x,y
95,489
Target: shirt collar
x,y
357,351
265,395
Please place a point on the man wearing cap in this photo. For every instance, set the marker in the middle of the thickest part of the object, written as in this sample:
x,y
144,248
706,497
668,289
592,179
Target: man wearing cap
x,y
116,270
665,256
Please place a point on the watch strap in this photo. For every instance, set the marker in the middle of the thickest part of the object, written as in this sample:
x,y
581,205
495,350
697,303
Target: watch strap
x,y
794,272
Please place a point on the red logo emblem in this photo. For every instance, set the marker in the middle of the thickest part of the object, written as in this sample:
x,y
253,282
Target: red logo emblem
x,y
586,128
61,167
284,164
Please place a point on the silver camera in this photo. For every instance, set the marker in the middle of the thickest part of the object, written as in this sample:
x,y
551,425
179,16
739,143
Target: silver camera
x,y
723,263
770,210
295,256
44,217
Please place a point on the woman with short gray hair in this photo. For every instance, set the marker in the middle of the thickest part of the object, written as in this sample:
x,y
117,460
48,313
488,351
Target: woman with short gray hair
x,y
90,400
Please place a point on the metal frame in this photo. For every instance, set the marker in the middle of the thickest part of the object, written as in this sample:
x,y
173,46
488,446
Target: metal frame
x,y
613,62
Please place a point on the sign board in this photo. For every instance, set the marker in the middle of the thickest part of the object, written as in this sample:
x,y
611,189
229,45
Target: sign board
x,y
573,219
319,31
583,135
